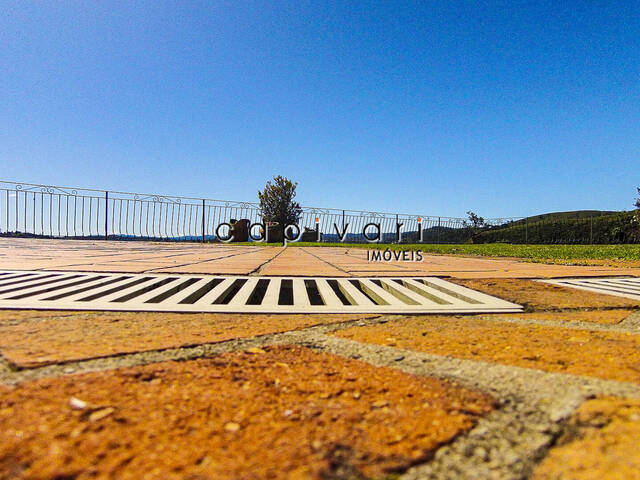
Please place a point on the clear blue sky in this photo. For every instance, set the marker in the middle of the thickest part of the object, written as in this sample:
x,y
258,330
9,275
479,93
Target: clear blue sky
x,y
505,108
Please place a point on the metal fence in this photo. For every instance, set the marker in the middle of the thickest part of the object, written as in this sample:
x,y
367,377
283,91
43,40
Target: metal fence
x,y
80,213
65,212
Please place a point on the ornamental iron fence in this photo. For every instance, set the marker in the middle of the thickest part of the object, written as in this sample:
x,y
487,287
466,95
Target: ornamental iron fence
x,y
80,213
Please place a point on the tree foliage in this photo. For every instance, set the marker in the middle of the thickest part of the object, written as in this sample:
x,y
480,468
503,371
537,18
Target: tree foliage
x,y
474,224
474,221
277,201
614,228
637,216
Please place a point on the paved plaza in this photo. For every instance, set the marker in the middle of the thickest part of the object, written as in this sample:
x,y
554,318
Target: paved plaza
x,y
552,392
159,257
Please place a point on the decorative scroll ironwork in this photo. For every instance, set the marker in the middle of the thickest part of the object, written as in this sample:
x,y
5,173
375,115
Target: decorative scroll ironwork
x,y
27,187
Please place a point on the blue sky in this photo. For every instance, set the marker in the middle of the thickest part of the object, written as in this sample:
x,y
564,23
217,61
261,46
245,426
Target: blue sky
x,y
435,108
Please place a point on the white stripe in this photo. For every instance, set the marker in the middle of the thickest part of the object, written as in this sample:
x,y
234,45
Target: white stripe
x,y
58,281
273,293
438,294
78,296
28,281
382,293
354,293
212,295
300,296
329,297
20,278
159,290
238,304
62,291
467,292
407,292
120,293
240,298
178,297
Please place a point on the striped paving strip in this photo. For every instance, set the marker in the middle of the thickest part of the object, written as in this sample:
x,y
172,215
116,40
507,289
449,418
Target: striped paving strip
x,y
621,287
240,294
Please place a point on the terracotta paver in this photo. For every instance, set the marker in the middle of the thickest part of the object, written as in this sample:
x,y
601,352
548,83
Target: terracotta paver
x,y
243,264
605,317
22,253
354,261
82,335
242,260
483,267
117,256
609,355
601,442
282,413
543,296
299,261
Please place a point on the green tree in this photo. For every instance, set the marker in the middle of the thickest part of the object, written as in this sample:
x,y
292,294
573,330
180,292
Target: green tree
x,y
474,225
277,202
638,200
474,221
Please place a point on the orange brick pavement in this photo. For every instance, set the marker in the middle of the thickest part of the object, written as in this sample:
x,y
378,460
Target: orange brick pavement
x,y
25,254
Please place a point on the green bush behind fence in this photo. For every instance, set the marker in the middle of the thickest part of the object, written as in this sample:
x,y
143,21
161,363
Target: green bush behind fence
x,y
617,228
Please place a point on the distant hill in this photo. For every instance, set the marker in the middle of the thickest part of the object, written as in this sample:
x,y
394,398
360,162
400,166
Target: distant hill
x,y
571,215
576,227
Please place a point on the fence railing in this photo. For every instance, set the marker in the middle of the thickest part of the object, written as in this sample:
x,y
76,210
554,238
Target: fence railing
x,y
64,212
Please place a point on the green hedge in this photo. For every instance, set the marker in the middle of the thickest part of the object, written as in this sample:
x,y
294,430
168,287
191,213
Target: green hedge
x,y
616,228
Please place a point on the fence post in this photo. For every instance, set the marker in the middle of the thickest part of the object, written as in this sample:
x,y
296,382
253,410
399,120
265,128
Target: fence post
x,y
398,237
438,241
343,220
106,215
590,230
526,230
203,220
